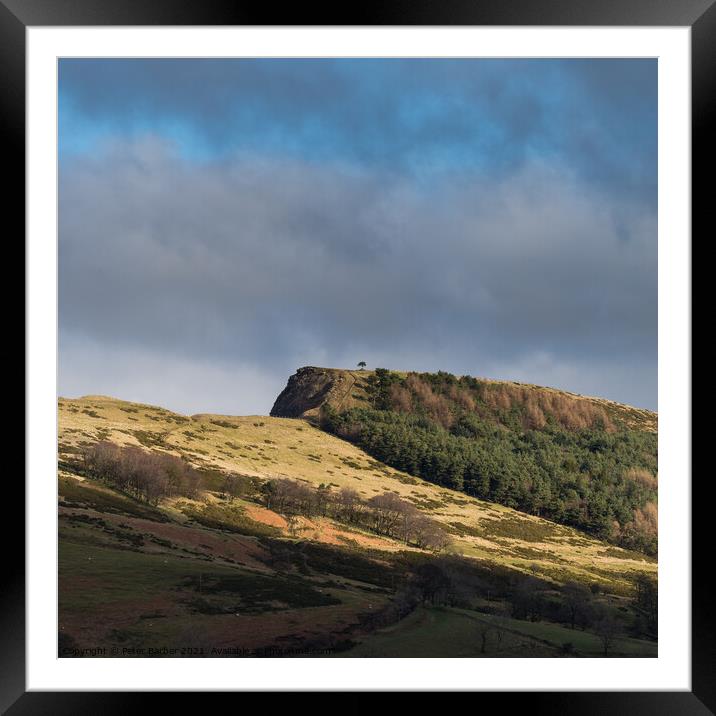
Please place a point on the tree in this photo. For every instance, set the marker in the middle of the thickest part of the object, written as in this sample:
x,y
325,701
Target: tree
x,y
387,512
647,601
606,629
484,631
500,625
527,599
432,583
348,505
142,474
292,525
268,492
576,600
232,486
323,499
362,364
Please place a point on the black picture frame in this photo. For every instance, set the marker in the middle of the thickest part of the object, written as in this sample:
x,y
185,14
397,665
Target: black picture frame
x,y
699,15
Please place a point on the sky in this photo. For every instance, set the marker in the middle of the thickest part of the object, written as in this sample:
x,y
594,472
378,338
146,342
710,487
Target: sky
x,y
223,222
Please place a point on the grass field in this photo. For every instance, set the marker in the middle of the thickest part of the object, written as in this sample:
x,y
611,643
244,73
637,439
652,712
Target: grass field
x,y
449,632
442,632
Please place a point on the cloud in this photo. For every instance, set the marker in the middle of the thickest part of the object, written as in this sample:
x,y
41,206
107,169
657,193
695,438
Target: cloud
x,y
252,265
414,116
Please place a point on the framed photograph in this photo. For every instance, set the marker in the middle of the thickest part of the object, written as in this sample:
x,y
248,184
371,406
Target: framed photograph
x,y
363,339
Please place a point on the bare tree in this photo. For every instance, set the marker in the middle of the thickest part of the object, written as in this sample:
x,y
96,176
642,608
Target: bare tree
x,y
483,630
647,600
348,505
500,626
607,629
576,600
387,512
145,475
429,535
432,583
324,499
527,600
232,487
292,523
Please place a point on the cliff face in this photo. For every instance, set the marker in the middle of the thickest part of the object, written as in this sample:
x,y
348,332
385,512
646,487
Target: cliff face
x,y
311,387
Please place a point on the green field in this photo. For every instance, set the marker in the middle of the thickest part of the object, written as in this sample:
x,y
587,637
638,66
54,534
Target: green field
x,y
450,632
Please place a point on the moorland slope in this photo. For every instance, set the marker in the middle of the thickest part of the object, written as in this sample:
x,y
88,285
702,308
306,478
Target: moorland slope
x,y
583,462
217,566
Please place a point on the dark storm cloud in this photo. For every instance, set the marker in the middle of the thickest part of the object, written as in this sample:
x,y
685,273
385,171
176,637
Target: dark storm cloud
x,y
410,116
243,268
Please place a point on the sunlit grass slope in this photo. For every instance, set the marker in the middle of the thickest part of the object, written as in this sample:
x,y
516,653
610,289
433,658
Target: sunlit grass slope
x,y
267,447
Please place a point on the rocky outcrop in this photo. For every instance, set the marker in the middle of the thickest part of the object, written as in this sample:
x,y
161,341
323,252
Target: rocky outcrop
x,y
311,387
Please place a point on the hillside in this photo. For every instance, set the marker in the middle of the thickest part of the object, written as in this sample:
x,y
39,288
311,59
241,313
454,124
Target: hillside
x,y
183,567
311,388
583,462
277,447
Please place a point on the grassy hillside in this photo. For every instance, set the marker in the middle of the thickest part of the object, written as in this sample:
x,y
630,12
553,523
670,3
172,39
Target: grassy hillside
x,y
578,461
212,571
279,447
